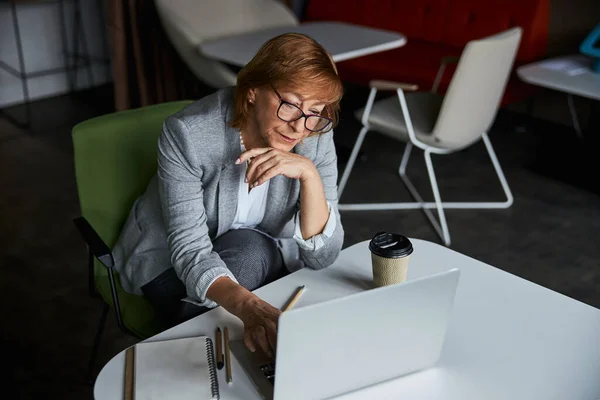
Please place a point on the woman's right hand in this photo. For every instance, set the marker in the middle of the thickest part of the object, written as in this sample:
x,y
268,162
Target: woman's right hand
x,y
259,317
260,325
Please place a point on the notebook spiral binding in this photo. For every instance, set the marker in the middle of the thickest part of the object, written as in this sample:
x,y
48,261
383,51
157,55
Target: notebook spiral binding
x,y
214,381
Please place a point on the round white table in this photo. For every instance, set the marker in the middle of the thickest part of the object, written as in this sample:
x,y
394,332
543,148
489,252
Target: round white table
x,y
342,40
508,338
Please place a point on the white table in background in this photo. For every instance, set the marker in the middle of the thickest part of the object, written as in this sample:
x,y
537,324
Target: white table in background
x,y
508,338
568,74
343,41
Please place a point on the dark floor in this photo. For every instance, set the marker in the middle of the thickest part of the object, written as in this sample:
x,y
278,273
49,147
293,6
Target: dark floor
x,y
549,235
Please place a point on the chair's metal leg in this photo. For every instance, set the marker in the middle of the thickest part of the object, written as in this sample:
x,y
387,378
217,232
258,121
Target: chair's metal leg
x,y
351,160
441,227
87,57
444,234
96,344
361,137
500,173
486,205
405,157
117,305
76,28
411,188
22,69
415,194
65,45
574,116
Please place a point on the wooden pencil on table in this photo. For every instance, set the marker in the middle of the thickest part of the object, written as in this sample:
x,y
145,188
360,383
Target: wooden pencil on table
x,y
295,298
227,357
129,369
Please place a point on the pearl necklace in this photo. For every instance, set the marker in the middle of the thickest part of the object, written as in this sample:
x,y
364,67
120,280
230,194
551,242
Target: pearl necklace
x,y
244,146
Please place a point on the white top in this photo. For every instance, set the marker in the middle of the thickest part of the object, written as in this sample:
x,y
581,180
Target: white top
x,y
343,41
251,204
507,339
570,74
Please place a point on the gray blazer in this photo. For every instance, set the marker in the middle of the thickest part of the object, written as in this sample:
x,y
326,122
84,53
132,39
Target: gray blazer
x,y
193,199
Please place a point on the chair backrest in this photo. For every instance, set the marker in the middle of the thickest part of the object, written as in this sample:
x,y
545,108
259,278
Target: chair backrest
x,y
190,22
115,158
473,97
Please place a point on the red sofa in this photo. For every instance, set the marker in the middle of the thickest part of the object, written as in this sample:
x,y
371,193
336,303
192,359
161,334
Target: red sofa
x,y
435,29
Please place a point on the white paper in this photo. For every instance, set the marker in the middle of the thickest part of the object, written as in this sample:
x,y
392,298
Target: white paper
x,y
570,67
172,370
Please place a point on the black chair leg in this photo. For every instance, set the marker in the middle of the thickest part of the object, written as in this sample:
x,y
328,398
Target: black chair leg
x,y
96,344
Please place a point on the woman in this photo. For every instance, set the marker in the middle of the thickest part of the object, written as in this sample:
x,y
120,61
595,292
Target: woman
x,y
245,192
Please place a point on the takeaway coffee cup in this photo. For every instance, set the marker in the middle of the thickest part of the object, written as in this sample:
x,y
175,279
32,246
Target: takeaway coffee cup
x,y
390,253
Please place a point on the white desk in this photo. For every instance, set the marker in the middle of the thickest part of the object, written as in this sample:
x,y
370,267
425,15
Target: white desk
x,y
569,74
508,338
343,41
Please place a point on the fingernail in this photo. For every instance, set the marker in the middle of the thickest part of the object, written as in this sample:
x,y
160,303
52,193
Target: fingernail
x,y
245,180
238,161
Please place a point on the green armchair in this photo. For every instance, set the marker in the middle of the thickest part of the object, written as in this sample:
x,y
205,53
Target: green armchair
x,y
115,158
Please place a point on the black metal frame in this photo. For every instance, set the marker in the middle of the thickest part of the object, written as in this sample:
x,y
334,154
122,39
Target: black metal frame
x,y
98,249
69,67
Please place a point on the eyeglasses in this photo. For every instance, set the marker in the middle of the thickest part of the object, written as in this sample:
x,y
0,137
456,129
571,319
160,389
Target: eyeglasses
x,y
289,112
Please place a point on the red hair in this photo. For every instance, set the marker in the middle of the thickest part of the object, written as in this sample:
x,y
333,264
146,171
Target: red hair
x,y
295,62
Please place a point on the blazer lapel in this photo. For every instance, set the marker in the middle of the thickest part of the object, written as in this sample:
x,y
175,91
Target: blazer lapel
x,y
277,201
230,177
282,191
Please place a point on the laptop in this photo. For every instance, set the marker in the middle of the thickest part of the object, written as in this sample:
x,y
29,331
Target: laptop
x,y
338,346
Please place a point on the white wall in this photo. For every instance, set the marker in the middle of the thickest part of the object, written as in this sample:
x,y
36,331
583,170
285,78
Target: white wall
x,y
42,48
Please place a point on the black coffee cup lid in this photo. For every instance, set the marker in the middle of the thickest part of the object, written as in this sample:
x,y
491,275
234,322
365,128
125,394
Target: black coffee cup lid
x,y
390,245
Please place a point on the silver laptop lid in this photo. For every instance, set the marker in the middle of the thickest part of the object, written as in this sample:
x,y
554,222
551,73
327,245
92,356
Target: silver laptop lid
x,y
345,344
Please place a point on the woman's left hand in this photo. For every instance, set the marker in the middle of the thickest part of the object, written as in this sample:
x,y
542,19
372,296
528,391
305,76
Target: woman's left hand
x,y
266,163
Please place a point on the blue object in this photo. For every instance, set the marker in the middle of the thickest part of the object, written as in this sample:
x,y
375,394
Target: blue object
x,y
591,47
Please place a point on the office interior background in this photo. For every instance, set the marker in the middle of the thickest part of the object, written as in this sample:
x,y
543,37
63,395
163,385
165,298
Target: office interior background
x,y
548,236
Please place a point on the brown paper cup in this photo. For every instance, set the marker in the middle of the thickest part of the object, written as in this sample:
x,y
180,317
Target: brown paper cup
x,y
390,254
389,271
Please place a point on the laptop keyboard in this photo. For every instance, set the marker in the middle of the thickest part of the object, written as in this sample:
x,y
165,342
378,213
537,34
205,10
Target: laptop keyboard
x,y
269,371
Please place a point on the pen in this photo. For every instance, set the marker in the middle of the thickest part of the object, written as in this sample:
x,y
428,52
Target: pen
x,y
295,298
227,357
219,349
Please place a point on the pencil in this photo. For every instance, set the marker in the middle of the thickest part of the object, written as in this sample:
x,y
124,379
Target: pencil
x,y
295,298
219,349
129,373
227,357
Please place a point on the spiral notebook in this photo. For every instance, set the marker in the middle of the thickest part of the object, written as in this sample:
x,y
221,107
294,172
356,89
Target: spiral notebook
x,y
177,369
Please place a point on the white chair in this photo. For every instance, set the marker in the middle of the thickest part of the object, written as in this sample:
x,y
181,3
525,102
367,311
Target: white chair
x,y
442,125
188,23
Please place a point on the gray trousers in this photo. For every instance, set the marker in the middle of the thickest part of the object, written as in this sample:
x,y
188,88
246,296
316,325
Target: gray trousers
x,y
254,259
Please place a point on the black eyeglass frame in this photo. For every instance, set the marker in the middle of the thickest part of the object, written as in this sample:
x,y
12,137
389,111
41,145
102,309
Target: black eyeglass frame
x,y
327,127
